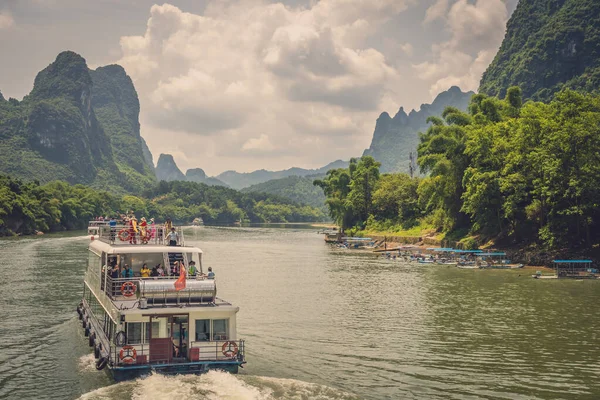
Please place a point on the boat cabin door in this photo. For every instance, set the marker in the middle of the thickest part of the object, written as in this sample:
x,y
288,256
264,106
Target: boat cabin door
x,y
169,338
179,336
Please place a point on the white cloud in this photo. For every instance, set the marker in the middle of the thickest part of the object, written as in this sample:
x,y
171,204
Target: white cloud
x,y
476,30
436,11
259,144
250,78
6,20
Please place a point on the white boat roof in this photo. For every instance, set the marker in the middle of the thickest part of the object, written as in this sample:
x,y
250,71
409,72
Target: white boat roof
x,y
101,246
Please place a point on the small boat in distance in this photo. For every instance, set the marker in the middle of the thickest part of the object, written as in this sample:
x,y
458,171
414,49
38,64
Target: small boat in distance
x,y
198,222
168,321
94,227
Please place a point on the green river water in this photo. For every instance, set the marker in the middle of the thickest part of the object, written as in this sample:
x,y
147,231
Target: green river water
x,y
319,323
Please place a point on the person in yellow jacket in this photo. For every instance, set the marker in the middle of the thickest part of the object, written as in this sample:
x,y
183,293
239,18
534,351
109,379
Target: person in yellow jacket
x,y
145,271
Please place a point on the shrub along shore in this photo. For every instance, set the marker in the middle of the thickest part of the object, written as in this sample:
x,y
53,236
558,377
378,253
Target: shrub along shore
x,y
28,207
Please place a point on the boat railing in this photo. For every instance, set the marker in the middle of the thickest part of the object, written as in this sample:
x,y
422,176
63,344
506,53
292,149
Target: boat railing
x,y
170,353
125,235
126,289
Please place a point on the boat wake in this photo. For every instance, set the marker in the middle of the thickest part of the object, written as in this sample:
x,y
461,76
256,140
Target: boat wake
x,y
87,363
216,385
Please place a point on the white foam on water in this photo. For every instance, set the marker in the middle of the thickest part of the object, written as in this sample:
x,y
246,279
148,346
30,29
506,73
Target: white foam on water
x,y
87,363
211,386
216,385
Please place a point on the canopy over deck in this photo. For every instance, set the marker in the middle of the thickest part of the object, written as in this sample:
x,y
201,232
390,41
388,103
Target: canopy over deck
x,y
497,254
572,261
467,251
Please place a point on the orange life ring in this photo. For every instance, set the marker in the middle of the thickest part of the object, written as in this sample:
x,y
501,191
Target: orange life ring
x,y
128,289
123,235
229,349
128,354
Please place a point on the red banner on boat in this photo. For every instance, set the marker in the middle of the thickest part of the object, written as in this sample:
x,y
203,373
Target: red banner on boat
x,y
180,282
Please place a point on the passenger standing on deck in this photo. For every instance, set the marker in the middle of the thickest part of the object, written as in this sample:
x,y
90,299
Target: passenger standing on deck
x,y
113,229
127,272
154,272
145,272
175,269
192,270
211,274
160,270
167,228
173,237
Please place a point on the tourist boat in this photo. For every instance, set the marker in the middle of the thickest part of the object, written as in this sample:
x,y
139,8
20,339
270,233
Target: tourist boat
x,y
331,235
468,266
169,324
357,243
571,269
94,228
198,222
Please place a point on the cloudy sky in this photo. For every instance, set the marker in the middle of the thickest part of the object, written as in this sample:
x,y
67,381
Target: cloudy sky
x,y
250,84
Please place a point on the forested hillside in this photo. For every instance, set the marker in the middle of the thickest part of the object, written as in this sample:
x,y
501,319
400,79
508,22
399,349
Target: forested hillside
x,y
549,45
26,207
117,108
299,189
513,173
76,128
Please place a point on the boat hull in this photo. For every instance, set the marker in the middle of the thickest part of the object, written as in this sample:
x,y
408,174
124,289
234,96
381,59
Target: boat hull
x,y
120,374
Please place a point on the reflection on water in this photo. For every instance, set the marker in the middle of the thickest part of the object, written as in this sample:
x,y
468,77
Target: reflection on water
x,y
345,321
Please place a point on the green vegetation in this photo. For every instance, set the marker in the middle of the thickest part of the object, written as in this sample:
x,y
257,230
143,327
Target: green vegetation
x,y
26,207
549,45
504,171
299,189
76,125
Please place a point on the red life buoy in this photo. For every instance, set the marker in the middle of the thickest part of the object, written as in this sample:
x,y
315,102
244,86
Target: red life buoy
x,y
128,289
229,349
128,354
123,235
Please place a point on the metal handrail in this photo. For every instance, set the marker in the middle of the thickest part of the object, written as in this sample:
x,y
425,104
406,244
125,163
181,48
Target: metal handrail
x,y
207,351
156,235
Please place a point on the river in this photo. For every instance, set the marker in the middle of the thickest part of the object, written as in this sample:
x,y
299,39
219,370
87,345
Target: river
x,y
319,323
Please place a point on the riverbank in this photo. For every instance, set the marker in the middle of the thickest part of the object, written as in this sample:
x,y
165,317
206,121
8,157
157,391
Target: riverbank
x,y
424,237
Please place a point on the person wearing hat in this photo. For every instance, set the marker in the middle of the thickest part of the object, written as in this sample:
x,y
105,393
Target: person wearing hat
x,y
143,230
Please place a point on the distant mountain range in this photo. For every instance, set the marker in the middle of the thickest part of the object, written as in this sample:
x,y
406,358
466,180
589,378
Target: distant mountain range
x,y
395,138
167,170
239,180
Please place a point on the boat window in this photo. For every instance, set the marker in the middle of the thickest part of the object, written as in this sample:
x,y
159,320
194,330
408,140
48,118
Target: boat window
x,y
139,332
220,329
202,330
134,332
160,328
